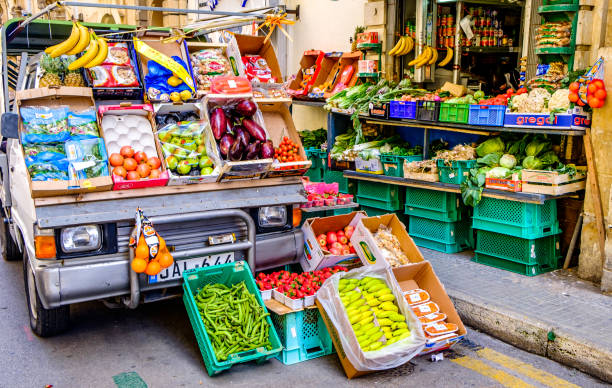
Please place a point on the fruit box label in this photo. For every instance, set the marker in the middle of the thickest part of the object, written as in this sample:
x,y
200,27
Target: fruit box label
x,y
576,118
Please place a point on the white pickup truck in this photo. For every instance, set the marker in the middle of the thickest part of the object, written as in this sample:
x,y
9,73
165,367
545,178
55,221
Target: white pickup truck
x,y
91,231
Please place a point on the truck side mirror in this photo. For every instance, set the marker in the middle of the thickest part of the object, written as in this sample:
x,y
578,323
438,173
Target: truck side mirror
x,y
9,125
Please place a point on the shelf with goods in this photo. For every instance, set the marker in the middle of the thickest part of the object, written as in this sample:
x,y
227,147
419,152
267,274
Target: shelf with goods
x,y
376,48
558,12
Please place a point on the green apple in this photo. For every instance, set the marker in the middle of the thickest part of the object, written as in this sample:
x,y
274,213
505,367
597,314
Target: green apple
x,y
190,146
171,162
175,140
193,161
168,148
165,136
205,162
201,150
206,171
181,153
199,140
183,168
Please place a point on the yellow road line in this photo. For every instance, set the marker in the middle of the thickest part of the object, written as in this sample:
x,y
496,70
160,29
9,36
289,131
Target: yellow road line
x,y
525,369
505,379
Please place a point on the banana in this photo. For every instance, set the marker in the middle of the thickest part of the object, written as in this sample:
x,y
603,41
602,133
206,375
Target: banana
x,y
409,47
447,59
417,59
426,58
61,48
434,57
397,46
84,59
102,53
83,40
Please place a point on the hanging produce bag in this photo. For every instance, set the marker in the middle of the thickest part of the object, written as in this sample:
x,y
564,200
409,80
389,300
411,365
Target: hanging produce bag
x,y
150,252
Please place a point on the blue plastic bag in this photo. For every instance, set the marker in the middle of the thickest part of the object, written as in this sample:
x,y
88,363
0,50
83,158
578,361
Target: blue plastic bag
x,y
87,158
44,125
83,125
156,80
46,161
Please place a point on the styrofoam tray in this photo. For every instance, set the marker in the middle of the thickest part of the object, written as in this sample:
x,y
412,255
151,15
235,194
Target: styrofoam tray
x,y
128,129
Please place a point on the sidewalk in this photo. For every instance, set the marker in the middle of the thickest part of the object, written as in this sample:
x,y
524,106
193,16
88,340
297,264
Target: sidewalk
x,y
554,315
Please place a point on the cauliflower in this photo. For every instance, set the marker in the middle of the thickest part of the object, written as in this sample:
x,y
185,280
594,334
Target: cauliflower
x,y
534,102
559,100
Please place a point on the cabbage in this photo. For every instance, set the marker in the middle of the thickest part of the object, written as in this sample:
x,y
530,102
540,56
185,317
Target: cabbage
x,y
535,147
549,158
490,160
491,145
498,172
532,163
508,161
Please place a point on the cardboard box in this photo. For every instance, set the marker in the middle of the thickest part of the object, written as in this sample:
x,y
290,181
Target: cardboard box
x,y
346,60
154,39
120,183
78,99
367,37
365,244
244,169
372,166
193,47
330,71
211,147
311,61
367,66
279,124
513,183
421,275
314,256
256,45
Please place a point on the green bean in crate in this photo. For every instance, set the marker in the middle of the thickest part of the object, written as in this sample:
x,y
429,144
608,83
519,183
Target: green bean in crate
x,y
233,319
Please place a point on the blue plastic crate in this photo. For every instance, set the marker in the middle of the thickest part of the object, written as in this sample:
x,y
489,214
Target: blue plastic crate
x,y
487,115
303,335
402,109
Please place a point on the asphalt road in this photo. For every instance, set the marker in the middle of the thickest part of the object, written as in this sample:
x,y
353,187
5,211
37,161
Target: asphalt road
x,y
155,346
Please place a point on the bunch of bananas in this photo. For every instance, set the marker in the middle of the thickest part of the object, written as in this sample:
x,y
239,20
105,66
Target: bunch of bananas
x,y
403,46
428,56
80,39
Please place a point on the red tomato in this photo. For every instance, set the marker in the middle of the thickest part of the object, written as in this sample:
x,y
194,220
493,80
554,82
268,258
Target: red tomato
x,y
140,157
133,176
130,164
115,159
120,171
144,170
127,151
154,162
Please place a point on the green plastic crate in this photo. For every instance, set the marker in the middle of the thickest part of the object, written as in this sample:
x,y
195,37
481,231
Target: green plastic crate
x,y
227,274
541,251
373,212
313,155
303,335
345,185
393,165
315,174
518,219
440,231
346,210
441,247
433,204
379,195
454,113
457,173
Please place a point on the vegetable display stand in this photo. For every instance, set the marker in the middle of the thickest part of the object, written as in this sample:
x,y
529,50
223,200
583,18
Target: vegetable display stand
x,y
393,165
345,185
457,172
428,110
447,237
454,113
227,274
518,219
525,256
432,204
487,115
303,336
379,195
402,109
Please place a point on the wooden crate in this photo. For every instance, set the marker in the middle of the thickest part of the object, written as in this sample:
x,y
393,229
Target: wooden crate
x,y
553,183
422,176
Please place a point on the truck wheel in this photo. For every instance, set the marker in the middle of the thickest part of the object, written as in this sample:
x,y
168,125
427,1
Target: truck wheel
x,y
44,322
8,248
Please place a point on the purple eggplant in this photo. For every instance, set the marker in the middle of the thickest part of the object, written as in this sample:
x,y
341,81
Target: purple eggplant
x,y
252,150
254,129
267,150
246,108
226,143
242,135
236,151
218,122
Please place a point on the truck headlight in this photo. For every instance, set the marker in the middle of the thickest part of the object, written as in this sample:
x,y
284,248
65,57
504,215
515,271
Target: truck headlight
x,y
272,216
81,238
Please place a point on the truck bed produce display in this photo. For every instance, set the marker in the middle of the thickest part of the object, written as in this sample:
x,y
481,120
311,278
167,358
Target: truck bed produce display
x,y
233,319
372,312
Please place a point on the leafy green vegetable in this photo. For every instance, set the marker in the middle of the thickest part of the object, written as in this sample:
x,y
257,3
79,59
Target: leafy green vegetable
x,y
313,139
491,159
507,161
532,163
489,146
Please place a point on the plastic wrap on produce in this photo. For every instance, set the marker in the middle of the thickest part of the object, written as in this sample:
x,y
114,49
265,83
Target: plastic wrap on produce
x,y
388,357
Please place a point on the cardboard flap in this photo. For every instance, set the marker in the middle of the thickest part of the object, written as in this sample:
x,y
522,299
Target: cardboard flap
x,y
256,45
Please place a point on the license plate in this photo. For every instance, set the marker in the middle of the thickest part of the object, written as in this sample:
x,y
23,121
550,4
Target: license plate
x,y
176,270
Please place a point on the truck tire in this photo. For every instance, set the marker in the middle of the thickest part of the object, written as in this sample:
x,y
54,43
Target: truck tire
x,y
8,248
44,322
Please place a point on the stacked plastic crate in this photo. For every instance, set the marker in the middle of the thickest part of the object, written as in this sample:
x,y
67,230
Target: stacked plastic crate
x,y
316,156
379,198
438,220
516,236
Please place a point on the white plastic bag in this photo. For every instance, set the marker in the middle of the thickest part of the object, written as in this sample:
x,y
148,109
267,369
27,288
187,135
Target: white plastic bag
x,y
388,357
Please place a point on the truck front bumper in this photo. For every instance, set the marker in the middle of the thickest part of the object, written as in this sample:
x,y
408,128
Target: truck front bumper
x,y
93,278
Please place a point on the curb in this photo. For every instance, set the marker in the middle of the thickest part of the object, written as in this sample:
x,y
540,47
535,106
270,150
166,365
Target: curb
x,y
531,335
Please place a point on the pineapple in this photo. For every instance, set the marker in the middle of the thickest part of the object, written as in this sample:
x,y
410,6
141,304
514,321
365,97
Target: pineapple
x,y
71,77
51,68
358,30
